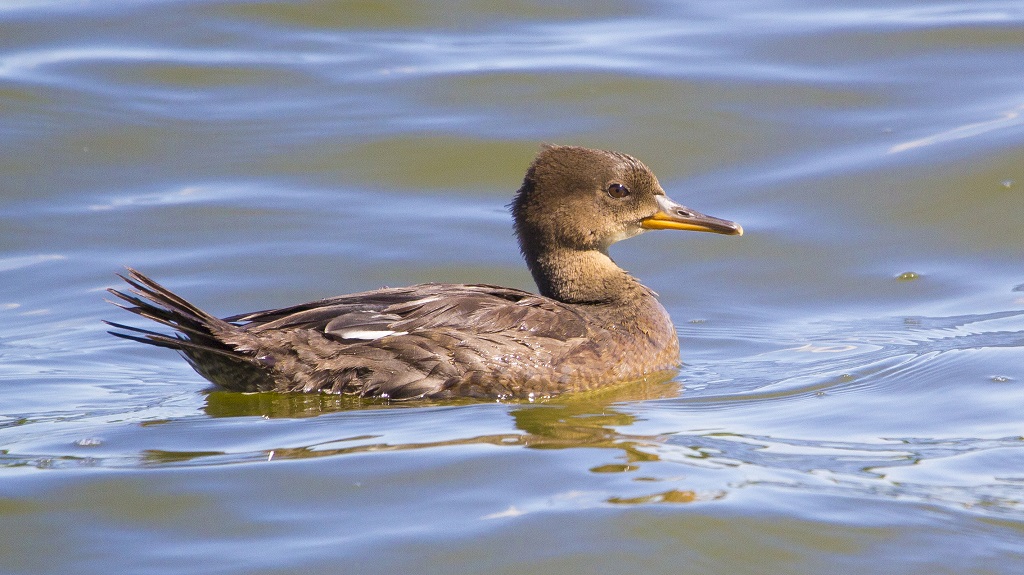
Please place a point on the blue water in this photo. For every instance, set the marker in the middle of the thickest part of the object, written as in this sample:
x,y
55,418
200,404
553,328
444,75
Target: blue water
x,y
853,384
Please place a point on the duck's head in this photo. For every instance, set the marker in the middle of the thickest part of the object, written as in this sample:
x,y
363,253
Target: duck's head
x,y
581,199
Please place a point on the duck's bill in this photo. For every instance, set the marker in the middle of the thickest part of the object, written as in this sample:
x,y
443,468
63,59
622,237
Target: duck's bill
x,y
672,216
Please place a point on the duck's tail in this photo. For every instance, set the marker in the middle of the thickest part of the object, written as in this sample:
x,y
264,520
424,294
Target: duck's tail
x,y
202,338
151,300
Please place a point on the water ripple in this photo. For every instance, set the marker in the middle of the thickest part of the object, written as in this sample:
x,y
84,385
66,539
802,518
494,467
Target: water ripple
x,y
833,356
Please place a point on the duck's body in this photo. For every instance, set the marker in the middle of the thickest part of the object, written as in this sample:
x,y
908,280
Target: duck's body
x,y
435,340
592,325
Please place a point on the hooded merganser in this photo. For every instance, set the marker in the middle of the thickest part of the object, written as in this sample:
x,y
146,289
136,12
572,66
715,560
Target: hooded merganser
x,y
592,325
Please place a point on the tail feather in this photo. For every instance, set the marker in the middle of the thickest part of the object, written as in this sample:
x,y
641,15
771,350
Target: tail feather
x,y
150,337
159,315
199,330
210,344
178,307
170,342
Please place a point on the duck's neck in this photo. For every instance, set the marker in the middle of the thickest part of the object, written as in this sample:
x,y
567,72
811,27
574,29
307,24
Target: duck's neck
x,y
582,277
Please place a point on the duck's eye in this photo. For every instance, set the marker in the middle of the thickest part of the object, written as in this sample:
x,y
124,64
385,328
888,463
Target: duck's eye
x,y
618,191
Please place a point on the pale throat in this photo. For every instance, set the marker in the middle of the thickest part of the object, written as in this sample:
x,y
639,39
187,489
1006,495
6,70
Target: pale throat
x,y
582,276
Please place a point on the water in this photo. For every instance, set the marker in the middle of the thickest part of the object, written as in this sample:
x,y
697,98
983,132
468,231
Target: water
x,y
854,381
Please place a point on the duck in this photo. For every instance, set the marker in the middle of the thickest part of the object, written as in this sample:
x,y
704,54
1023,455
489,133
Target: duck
x,y
590,325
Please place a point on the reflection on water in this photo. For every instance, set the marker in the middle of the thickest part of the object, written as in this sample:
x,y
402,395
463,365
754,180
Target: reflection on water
x,y
582,420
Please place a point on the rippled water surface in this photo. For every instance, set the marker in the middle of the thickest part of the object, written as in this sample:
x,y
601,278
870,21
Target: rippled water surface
x,y
853,394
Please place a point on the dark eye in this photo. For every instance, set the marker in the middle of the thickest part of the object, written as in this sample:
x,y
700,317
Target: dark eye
x,y
618,191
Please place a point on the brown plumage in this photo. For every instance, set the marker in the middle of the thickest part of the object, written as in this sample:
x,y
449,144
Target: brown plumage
x,y
592,325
